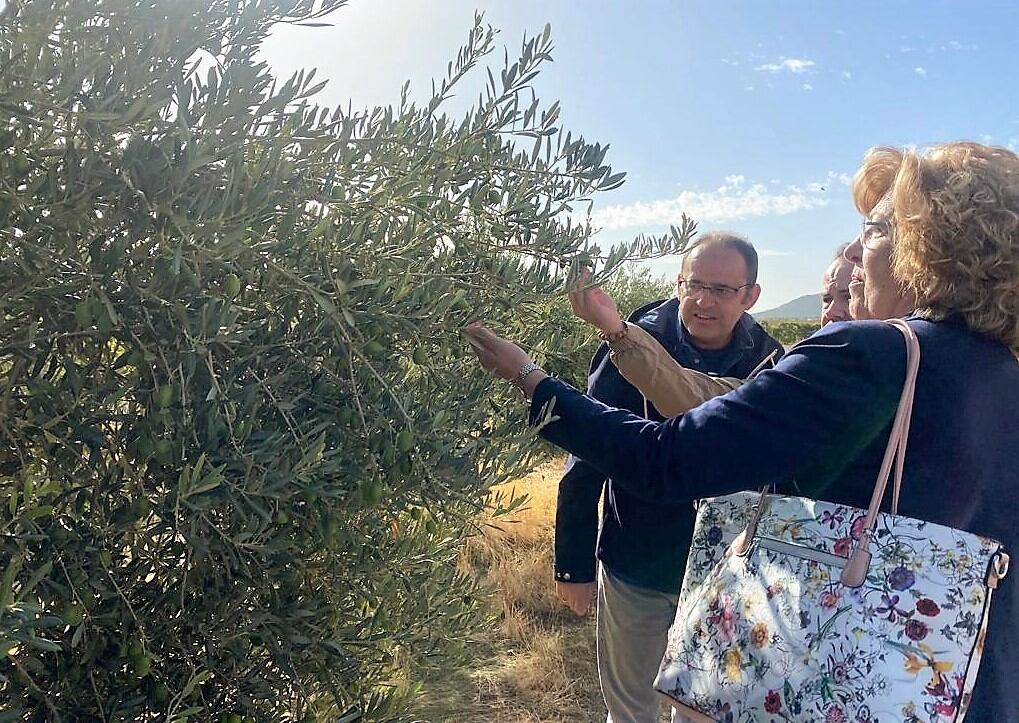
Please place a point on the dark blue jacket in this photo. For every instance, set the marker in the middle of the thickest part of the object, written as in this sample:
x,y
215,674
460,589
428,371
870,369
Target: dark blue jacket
x,y
821,417
644,544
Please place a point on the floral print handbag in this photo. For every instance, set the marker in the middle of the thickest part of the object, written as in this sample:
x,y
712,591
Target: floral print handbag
x,y
822,612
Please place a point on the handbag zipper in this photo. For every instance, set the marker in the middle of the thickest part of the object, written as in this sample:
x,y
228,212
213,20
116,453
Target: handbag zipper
x,y
802,551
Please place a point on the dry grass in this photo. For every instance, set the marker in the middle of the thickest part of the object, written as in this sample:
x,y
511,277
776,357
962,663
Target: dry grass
x,y
538,665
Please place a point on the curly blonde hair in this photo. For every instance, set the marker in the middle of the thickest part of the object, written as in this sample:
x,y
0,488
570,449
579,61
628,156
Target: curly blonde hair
x,y
956,220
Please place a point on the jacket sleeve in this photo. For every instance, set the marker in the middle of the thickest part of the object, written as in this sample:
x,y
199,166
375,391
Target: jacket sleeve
x,y
671,388
576,521
818,409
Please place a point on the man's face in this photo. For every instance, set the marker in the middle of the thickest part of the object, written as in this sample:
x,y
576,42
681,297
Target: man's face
x,y
710,314
835,292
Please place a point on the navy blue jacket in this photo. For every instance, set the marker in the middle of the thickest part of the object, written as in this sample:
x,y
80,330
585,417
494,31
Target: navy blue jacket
x,y
643,544
822,416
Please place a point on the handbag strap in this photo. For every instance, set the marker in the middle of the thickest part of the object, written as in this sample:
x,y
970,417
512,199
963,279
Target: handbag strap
x,y
855,571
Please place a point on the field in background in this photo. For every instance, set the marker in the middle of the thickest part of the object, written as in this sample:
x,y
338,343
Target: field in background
x,y
790,331
538,664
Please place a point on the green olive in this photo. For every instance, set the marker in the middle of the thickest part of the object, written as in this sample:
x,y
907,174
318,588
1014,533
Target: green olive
x,y
83,314
105,325
420,356
73,614
164,447
404,441
164,396
372,493
141,665
373,348
160,693
231,286
21,163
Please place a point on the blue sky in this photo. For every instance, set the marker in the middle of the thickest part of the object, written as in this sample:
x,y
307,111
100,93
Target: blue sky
x,y
747,115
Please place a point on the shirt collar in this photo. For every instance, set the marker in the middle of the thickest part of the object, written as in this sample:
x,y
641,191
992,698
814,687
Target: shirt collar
x,y
741,340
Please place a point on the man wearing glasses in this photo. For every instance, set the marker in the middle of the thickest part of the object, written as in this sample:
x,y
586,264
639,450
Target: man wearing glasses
x,y
643,547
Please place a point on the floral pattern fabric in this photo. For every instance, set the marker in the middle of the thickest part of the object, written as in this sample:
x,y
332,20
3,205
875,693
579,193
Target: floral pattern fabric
x,y
775,636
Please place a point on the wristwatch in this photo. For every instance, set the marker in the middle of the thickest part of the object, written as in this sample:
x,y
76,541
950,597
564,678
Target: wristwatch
x,y
525,371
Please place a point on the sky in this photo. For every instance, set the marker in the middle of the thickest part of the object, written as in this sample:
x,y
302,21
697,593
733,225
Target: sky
x,y
748,116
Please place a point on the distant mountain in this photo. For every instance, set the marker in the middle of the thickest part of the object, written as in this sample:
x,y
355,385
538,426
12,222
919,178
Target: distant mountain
x,y
803,307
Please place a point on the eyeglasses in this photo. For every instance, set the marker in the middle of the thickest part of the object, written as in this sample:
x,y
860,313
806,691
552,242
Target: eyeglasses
x,y
874,232
696,289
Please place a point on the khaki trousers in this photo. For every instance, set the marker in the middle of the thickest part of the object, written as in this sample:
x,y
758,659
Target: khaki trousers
x,y
633,627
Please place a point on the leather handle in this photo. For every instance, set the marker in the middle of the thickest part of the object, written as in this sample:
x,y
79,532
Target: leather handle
x,y
855,572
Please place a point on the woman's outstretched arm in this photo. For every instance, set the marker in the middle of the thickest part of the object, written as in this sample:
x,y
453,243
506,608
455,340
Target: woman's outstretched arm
x,y
809,417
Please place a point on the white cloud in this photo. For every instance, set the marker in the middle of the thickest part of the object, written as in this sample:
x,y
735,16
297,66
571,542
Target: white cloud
x,y
734,200
847,75
807,86
921,71
773,252
748,87
987,139
787,65
920,46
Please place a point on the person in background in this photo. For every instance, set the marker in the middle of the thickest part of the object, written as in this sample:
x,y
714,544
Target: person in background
x,y
643,547
939,246
835,288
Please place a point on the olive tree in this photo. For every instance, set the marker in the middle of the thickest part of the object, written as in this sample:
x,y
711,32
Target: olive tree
x,y
241,438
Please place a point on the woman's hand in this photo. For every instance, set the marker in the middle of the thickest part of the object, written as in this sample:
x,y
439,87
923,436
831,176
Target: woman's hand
x,y
497,355
596,307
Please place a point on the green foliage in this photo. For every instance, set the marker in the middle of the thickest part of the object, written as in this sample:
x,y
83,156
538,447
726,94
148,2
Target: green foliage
x,y
241,440
790,331
568,352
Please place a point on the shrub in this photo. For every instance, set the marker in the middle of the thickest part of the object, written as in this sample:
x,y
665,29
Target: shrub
x,y
241,441
790,331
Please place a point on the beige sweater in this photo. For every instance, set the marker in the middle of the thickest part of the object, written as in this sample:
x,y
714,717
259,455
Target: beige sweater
x,y
671,388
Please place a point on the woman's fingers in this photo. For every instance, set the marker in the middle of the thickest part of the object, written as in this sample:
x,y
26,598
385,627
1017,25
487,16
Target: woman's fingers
x,y
496,354
580,300
480,337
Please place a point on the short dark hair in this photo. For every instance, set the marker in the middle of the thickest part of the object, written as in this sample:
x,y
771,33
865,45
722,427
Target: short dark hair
x,y
729,240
